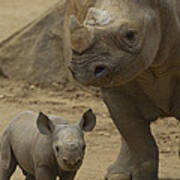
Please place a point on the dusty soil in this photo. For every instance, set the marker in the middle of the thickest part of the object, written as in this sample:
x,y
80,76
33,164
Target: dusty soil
x,y
104,142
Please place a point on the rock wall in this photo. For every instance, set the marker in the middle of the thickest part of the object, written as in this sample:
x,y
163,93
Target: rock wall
x,y
34,53
38,53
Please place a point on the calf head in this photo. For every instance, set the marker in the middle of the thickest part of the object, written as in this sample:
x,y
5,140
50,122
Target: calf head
x,y
119,39
68,139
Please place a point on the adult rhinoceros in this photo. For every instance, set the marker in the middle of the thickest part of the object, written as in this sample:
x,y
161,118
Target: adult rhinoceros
x,y
130,49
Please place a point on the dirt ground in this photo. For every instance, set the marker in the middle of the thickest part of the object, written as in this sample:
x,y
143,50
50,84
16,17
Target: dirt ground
x,y
104,142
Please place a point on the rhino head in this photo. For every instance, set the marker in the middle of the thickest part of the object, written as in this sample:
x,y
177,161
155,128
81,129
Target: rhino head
x,y
120,39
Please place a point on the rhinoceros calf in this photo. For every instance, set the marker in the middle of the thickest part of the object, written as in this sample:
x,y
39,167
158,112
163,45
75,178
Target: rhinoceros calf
x,y
45,147
131,50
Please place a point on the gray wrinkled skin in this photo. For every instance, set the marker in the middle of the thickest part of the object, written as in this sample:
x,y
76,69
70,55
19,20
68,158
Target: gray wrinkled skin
x,y
44,147
135,59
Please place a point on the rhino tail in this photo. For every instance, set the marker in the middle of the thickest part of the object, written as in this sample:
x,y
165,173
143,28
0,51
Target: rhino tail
x,y
5,153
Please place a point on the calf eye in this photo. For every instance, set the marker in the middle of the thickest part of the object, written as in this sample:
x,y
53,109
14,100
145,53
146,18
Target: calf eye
x,y
57,149
84,147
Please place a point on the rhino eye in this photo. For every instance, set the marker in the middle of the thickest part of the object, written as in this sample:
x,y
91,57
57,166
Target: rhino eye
x,y
130,35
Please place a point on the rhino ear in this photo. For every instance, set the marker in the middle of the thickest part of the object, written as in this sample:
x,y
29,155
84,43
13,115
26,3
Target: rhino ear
x,y
44,124
88,121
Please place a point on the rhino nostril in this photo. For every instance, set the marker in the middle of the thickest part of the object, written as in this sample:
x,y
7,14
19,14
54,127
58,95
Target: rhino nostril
x,y
99,71
65,160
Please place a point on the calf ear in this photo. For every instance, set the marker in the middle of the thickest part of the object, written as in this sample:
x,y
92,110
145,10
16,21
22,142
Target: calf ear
x,y
44,124
88,121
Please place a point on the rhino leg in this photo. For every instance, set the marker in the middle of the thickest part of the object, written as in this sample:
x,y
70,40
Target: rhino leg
x,y
142,162
120,169
141,157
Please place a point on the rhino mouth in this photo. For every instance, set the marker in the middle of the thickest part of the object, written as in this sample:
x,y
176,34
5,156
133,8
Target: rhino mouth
x,y
95,74
99,71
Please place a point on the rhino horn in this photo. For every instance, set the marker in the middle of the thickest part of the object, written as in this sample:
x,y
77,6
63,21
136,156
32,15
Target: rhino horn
x,y
97,17
74,24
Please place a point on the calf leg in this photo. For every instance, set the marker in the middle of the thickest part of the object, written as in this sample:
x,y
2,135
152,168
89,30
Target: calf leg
x,y
5,174
44,173
28,176
67,175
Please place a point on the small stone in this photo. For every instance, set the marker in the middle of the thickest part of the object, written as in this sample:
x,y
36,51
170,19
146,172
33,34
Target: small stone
x,y
166,150
107,134
32,87
104,134
2,96
55,84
